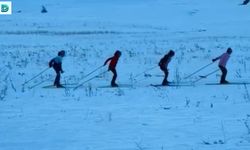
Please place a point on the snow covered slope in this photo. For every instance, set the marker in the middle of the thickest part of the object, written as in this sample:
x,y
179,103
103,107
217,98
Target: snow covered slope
x,y
136,116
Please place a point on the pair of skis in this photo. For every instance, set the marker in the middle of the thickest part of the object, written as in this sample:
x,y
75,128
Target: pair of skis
x,y
172,84
72,86
192,84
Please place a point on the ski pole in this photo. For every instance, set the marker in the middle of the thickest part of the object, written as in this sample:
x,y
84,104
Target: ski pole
x,y
88,80
92,72
198,70
33,86
205,76
36,76
145,71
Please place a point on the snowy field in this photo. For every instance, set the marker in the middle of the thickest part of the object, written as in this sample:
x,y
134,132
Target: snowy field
x,y
135,116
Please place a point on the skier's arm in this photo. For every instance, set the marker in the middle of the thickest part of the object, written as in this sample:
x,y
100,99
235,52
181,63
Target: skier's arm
x,y
107,61
60,67
168,61
216,58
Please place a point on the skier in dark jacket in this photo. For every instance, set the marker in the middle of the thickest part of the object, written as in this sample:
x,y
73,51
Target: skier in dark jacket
x,y
56,63
222,64
164,66
112,66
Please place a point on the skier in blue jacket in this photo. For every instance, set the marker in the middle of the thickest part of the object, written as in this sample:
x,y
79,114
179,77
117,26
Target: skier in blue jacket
x,y
56,63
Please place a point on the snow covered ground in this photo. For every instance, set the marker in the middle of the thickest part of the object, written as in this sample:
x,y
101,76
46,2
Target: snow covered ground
x,y
137,117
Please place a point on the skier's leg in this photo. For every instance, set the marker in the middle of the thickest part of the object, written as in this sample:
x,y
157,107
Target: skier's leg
x,y
224,73
221,69
57,80
165,80
114,77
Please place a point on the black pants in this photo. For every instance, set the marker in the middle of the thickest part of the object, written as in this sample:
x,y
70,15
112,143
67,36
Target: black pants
x,y
165,80
224,74
113,70
58,77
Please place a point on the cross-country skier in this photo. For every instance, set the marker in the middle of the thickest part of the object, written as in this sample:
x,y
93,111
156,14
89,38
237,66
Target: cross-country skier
x,y
222,64
56,63
112,66
164,66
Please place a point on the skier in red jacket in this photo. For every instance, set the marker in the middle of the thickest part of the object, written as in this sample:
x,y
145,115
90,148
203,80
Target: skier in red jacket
x,y
113,61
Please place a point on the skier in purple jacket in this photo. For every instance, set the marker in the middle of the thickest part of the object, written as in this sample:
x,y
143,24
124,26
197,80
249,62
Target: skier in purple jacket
x,y
222,64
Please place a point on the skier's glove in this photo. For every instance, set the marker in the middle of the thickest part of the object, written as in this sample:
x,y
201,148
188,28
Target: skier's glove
x,y
213,60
